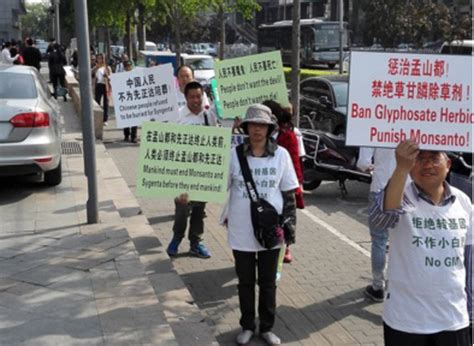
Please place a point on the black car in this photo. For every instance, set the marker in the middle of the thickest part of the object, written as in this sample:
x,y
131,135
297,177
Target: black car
x,y
323,103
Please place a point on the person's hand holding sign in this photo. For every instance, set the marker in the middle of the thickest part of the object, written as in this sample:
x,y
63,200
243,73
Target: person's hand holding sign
x,y
182,199
406,154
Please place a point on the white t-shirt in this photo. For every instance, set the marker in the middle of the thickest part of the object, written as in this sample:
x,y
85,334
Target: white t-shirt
x,y
182,99
427,277
186,117
272,174
99,75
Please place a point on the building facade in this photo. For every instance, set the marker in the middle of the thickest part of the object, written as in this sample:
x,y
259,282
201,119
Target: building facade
x,y
10,12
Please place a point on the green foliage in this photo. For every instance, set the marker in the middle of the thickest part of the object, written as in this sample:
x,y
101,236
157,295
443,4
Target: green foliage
x,y
393,21
35,22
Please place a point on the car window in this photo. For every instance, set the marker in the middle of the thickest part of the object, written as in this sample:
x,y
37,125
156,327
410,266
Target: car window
x,y
201,64
341,90
17,86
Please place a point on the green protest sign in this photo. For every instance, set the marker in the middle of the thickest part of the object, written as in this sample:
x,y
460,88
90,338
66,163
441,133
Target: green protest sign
x,y
248,80
175,159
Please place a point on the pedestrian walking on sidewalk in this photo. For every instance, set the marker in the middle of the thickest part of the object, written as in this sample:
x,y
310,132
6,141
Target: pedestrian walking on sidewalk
x,y
7,58
31,55
192,114
275,181
57,61
381,163
129,133
286,137
101,82
430,230
185,75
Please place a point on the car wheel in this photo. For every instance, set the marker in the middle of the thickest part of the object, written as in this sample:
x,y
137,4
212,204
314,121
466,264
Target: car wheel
x,y
331,65
311,185
53,177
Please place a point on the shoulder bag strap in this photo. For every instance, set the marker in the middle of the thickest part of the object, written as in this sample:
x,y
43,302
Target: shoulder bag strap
x,y
206,120
247,174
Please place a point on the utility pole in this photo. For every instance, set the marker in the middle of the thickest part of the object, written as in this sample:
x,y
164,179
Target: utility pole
x,y
82,33
341,33
295,61
56,21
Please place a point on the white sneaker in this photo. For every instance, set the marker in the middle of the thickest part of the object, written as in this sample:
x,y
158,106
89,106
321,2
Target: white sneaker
x,y
244,337
270,338
106,123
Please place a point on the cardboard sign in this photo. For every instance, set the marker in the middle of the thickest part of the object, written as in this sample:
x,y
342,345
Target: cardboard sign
x,y
426,97
175,159
144,94
244,81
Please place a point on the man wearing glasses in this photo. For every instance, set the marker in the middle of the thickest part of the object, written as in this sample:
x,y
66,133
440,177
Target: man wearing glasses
x,y
430,230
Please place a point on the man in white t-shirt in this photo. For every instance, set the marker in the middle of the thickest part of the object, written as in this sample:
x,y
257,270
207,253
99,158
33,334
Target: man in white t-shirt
x,y
185,75
192,114
6,57
430,229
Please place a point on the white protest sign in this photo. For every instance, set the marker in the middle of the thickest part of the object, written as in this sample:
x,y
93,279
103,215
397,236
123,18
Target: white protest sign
x,y
144,94
426,97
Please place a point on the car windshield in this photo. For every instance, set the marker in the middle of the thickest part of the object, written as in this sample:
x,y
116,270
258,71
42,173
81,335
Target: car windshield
x,y
341,89
201,64
17,86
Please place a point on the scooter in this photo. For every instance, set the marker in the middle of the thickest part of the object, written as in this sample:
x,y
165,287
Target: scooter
x,y
329,159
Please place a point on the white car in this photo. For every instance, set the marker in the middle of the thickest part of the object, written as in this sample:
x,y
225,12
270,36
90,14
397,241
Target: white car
x,y
30,130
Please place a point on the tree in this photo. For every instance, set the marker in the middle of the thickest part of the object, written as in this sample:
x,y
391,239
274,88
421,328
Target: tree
x,y
35,23
295,61
246,8
392,21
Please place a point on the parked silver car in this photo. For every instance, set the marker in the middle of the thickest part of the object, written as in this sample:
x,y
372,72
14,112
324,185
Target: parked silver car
x,y
30,128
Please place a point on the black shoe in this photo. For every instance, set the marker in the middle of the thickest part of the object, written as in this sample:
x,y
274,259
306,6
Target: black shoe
x,y
126,139
373,294
134,140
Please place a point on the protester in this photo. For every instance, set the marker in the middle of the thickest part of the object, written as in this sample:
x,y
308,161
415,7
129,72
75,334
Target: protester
x,y
381,163
31,55
7,58
276,182
122,66
429,223
101,82
286,138
185,74
56,62
129,133
192,114
299,135
49,50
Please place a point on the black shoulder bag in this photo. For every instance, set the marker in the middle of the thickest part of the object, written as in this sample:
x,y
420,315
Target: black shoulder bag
x,y
265,219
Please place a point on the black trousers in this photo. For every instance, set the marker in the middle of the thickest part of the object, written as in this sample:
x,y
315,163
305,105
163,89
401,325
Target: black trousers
x,y
100,92
130,130
57,79
196,222
246,264
395,337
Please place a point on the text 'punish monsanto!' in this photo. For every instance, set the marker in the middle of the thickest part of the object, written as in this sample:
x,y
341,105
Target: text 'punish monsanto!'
x,y
394,97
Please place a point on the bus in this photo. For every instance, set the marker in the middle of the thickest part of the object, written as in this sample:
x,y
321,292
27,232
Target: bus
x,y
319,41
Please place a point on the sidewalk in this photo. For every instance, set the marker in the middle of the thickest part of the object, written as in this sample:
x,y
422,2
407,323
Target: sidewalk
x,y
64,282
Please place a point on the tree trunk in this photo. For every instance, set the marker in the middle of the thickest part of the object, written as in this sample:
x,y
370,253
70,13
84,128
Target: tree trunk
x,y
107,43
141,26
128,36
177,33
295,62
221,15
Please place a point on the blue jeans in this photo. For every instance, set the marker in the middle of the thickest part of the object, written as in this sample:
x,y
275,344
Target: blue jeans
x,y
379,244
